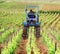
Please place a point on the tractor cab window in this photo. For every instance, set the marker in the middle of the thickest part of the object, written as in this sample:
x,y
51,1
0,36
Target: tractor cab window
x,y
31,16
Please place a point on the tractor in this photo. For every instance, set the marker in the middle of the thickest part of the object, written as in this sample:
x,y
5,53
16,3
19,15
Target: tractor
x,y
32,19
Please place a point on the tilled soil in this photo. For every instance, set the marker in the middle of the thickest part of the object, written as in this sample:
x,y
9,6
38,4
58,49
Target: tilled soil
x,y
1,46
21,47
43,49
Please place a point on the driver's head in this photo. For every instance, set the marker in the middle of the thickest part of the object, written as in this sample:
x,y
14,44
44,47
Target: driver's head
x,y
30,10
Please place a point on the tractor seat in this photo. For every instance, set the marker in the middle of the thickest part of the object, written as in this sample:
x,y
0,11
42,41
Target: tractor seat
x,y
31,16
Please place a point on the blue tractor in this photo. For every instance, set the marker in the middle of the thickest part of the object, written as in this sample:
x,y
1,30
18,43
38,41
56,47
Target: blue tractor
x,y
32,19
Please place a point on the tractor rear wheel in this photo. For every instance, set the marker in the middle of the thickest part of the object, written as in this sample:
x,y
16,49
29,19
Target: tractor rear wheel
x,y
37,31
25,34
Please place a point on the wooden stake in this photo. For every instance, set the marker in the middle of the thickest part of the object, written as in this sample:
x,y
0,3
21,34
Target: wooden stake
x,y
32,52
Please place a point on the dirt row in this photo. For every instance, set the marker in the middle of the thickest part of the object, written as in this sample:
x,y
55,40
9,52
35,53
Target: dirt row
x,y
21,47
42,47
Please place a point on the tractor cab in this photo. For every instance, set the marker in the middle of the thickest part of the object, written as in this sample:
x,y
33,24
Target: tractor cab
x,y
31,16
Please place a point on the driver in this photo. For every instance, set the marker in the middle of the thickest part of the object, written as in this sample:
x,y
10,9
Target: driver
x,y
31,14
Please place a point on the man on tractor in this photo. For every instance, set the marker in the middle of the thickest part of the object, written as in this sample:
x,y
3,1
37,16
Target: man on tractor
x,y
31,15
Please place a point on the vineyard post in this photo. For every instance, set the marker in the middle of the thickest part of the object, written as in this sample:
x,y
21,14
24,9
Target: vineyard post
x,y
55,47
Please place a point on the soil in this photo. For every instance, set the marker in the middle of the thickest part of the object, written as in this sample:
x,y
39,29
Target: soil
x,y
42,47
21,47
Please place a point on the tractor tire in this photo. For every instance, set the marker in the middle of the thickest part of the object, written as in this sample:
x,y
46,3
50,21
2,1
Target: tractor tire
x,y
37,31
25,34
